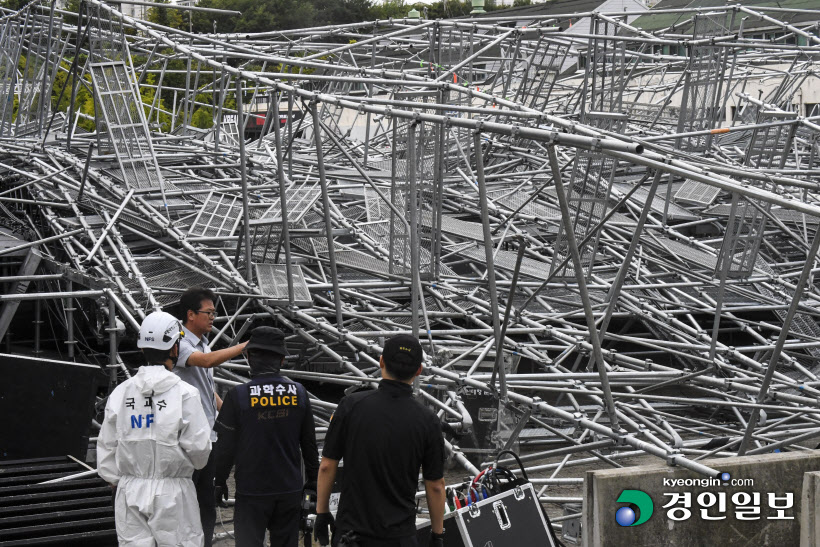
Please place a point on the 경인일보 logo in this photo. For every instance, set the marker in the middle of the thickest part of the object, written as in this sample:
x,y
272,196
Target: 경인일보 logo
x,y
626,516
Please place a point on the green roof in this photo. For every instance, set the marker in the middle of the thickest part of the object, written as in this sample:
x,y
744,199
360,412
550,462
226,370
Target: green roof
x,y
657,21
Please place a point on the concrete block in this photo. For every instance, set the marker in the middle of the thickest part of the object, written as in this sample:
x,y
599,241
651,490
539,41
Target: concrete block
x,y
810,523
780,474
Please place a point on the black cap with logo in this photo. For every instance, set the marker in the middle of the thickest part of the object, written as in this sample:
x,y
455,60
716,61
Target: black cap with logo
x,y
268,339
403,350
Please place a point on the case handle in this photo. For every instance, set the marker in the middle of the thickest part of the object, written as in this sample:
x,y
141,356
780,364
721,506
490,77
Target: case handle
x,y
500,511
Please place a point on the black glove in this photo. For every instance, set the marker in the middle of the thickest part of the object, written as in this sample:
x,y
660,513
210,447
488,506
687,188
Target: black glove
x,y
436,540
323,527
221,494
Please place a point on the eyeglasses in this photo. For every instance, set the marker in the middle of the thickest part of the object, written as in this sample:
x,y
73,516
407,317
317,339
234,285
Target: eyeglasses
x,y
211,314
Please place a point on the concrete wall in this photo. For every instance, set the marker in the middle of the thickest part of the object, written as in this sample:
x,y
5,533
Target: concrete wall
x,y
778,473
810,524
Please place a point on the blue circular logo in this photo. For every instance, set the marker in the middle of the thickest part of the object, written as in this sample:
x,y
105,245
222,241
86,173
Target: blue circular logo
x,y
725,476
638,511
625,516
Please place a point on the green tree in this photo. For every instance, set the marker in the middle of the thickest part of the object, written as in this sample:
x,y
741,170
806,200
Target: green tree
x,y
74,7
341,12
395,9
87,108
166,17
257,15
447,9
148,97
13,4
202,118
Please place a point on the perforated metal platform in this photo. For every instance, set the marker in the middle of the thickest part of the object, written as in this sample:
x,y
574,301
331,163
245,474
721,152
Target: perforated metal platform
x,y
273,282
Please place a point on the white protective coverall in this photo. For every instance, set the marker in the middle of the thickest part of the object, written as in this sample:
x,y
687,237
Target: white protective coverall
x,y
152,438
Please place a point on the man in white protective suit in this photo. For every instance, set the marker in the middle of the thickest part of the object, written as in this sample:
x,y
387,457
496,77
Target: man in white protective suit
x,y
154,435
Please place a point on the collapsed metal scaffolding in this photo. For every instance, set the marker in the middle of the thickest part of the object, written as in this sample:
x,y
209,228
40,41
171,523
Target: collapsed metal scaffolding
x,y
598,266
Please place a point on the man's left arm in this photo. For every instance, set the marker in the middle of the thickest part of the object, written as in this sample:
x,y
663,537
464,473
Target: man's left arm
x,y
327,476
433,474
212,358
435,503
332,452
324,524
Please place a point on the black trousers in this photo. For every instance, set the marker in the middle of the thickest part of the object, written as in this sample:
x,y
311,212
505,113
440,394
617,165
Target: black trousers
x,y
373,542
279,515
204,485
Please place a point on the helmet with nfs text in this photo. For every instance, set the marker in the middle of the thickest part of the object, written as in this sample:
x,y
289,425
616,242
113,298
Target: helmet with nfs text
x,y
160,330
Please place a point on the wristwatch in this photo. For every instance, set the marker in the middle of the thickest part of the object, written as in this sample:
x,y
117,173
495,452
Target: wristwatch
x,y
434,535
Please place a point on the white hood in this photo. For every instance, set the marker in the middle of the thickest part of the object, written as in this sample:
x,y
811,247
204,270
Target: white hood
x,y
152,380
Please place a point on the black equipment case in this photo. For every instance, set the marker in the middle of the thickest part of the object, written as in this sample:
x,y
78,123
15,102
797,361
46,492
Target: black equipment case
x,y
510,519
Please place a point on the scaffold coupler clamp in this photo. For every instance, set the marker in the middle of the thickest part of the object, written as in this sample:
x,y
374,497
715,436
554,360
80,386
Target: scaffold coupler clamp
x,y
621,436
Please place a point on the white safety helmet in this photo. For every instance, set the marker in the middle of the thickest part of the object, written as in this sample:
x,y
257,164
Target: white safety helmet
x,y
160,330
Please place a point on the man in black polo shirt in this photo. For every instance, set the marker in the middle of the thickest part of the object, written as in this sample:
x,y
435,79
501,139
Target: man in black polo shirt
x,y
264,425
384,436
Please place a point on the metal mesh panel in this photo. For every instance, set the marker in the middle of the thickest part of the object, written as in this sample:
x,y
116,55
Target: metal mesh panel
x,y
700,105
299,201
423,203
10,45
605,79
746,114
177,278
515,199
768,149
41,48
106,37
345,256
645,112
696,193
453,46
801,323
587,198
218,217
121,110
273,282
700,102
658,204
229,130
537,84
377,209
506,261
527,75
377,227
336,117
462,228
784,215
379,231
686,252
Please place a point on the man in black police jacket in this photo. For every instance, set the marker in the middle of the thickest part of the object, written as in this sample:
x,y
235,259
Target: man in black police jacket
x,y
384,436
263,425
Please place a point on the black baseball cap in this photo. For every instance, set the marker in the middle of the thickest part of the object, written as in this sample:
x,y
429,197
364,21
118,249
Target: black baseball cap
x,y
403,350
268,339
